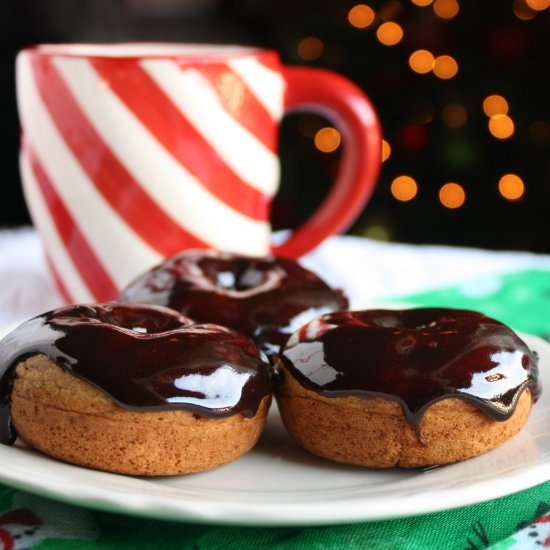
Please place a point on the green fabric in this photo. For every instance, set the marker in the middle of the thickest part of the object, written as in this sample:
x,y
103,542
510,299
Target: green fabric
x,y
521,299
473,527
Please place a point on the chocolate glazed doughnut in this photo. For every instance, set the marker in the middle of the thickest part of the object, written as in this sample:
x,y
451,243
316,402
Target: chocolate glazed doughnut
x,y
265,298
132,388
418,387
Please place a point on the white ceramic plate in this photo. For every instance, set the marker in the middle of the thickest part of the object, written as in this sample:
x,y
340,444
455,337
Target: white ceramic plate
x,y
279,484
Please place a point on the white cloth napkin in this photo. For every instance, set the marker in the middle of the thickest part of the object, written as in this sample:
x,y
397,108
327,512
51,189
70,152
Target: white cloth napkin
x,y
368,271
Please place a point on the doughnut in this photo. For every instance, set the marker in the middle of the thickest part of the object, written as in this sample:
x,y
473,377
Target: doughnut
x,y
265,298
411,388
132,388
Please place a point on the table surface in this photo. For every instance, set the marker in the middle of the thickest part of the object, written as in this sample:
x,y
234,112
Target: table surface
x,y
510,286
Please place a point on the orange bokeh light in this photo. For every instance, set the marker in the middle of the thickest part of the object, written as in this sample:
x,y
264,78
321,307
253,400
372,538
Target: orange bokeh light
x,y
446,9
523,11
454,115
445,67
361,16
538,5
389,33
327,139
310,48
386,150
421,61
501,126
404,188
511,187
495,105
452,195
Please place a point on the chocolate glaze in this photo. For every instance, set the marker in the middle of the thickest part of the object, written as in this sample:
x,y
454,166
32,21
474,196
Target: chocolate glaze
x,y
417,357
144,357
265,298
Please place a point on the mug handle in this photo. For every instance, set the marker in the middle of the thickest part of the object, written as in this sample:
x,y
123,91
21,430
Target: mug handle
x,y
347,107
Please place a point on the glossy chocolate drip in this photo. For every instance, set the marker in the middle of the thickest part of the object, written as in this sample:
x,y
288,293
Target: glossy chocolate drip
x,y
417,357
144,357
265,298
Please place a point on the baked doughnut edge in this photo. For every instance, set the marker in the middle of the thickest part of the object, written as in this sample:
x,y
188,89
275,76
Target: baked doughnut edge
x,y
69,419
373,432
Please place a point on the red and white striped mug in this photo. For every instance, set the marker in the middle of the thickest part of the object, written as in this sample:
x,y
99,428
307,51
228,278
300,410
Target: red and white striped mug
x,y
133,152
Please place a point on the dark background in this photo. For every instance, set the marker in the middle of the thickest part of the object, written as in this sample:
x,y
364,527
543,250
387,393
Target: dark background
x,y
501,47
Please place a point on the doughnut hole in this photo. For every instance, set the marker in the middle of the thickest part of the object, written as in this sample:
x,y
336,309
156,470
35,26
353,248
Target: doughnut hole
x,y
242,275
141,318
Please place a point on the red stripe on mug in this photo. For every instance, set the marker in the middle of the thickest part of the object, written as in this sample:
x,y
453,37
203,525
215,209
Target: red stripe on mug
x,y
161,117
109,176
241,103
84,258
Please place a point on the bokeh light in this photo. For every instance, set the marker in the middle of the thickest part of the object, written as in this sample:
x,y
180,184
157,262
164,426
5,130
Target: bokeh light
x,y
422,3
511,187
404,188
452,195
425,116
361,16
386,150
414,136
310,48
495,105
523,11
390,10
446,9
389,33
445,67
421,61
501,126
538,5
454,115
327,139
377,231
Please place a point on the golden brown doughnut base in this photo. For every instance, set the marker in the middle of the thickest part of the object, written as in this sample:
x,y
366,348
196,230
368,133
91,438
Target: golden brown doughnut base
x,y
375,433
69,419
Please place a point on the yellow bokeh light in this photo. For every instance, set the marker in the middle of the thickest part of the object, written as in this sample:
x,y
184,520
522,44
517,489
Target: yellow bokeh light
x,y
495,105
454,115
501,126
310,48
452,195
511,187
538,5
327,139
421,61
404,188
422,3
523,11
389,33
445,67
361,16
377,232
446,9
386,150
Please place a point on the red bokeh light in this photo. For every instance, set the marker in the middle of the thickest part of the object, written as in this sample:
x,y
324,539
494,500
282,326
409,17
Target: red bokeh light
x,y
414,136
